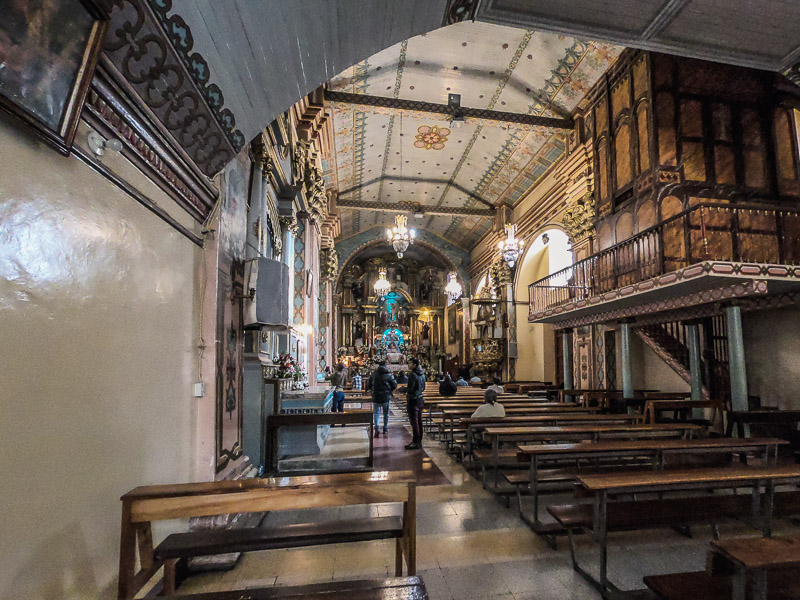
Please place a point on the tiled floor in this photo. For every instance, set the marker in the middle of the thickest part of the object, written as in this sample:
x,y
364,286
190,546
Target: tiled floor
x,y
469,546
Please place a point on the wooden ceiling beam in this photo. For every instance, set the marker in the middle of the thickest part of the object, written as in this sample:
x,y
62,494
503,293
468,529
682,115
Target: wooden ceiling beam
x,y
396,207
444,109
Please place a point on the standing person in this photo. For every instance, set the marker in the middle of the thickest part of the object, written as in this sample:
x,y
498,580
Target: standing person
x,y
337,379
415,401
382,384
357,381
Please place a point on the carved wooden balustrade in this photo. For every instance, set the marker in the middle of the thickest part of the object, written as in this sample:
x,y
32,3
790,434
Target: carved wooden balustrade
x,y
707,231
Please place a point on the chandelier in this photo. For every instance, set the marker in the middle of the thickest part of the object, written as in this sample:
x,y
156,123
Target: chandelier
x,y
382,286
400,236
511,247
453,288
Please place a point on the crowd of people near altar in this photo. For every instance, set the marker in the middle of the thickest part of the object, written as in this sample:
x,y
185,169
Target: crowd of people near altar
x,y
383,383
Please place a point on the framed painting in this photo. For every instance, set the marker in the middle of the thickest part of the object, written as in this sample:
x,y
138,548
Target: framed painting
x,y
48,53
452,325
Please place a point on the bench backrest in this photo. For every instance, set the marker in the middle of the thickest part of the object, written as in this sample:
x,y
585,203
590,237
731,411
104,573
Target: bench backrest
x,y
155,503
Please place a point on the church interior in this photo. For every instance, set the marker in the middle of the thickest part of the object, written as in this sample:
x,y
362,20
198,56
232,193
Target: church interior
x,y
400,299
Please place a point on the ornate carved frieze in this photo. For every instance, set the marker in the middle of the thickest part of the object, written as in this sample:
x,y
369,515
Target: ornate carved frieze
x,y
150,53
328,263
579,218
499,276
315,193
299,161
112,114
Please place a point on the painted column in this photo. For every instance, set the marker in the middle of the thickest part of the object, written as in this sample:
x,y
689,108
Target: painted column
x,y
736,362
566,343
627,375
511,334
693,332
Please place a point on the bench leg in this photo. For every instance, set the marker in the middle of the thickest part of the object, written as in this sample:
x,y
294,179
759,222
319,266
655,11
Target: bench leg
x,y
398,557
170,576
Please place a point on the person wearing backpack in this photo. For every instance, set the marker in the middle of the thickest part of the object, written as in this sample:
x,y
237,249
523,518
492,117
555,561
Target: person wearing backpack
x,y
415,401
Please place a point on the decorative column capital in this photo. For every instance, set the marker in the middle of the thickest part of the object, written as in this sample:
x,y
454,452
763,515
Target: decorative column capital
x,y
289,223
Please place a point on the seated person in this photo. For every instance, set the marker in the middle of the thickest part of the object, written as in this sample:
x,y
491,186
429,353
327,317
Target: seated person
x,y
402,377
475,380
447,387
496,386
462,382
490,408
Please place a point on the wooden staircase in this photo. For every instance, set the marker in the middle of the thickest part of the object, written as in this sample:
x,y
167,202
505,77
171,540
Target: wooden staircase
x,y
670,342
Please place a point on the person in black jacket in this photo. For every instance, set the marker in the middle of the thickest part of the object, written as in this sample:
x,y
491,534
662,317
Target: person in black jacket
x,y
447,387
415,401
382,384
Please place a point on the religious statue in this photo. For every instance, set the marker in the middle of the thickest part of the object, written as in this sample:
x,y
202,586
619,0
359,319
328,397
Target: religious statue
x,y
426,331
358,291
358,334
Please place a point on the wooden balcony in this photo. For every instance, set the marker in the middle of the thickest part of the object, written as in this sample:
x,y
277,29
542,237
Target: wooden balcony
x,y
708,253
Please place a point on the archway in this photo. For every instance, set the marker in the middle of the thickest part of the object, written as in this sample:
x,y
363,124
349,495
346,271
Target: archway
x,y
549,253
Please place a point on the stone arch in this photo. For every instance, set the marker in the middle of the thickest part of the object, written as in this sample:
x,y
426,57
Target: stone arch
x,y
447,260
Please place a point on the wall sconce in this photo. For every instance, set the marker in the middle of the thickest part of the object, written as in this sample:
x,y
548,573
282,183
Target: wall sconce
x,y
98,144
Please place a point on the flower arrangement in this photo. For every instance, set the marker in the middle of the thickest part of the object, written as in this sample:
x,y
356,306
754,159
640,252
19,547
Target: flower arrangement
x,y
288,367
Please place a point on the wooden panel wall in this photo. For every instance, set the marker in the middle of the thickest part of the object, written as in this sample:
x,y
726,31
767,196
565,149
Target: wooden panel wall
x,y
717,130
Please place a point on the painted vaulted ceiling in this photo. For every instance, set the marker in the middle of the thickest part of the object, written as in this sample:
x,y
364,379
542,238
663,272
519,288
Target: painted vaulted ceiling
x,y
394,155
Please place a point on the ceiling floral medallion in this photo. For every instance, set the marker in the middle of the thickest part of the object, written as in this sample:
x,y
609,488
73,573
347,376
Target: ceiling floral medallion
x,y
431,137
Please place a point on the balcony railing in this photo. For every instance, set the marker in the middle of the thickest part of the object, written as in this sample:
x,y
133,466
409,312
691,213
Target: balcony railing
x,y
740,233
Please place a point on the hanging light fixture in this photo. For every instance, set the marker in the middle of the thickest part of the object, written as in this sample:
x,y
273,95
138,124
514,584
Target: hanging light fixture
x,y
511,247
453,288
382,286
400,236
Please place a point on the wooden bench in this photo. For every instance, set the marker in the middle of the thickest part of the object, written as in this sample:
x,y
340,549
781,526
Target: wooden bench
x,y
602,516
681,407
144,505
616,455
514,414
770,565
532,433
784,424
396,588
700,585
754,558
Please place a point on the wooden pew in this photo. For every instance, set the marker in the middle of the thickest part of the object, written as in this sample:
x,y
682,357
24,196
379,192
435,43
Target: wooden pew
x,y
683,408
518,416
649,452
602,515
395,588
450,414
144,505
770,564
532,433
784,424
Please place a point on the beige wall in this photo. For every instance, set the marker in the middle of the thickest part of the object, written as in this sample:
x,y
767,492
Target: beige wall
x,y
535,345
97,353
772,354
650,372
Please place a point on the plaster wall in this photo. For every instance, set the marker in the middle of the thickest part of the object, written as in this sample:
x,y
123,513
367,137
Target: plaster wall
x,y
649,370
772,355
98,325
535,342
